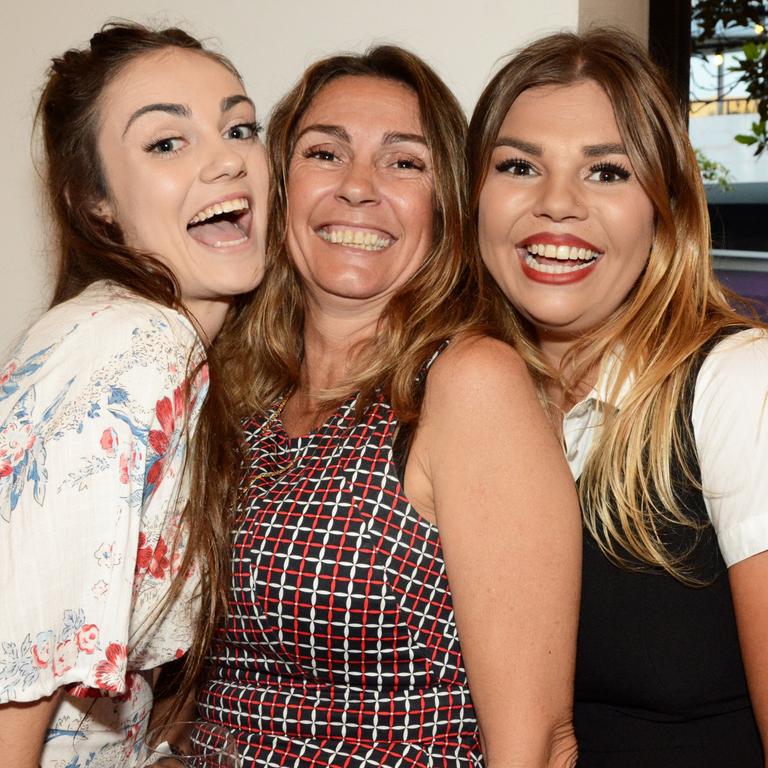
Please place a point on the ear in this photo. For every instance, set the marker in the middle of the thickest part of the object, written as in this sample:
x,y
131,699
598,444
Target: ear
x,y
104,211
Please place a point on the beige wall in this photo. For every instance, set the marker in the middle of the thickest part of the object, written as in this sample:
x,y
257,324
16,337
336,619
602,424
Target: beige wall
x,y
629,14
271,41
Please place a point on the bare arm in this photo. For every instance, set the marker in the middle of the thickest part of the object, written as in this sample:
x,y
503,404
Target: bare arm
x,y
509,520
22,729
749,586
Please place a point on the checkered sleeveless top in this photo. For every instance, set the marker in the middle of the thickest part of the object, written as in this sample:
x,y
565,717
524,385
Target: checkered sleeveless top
x,y
340,648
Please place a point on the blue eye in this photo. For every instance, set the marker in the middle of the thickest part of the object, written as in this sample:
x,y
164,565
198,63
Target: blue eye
x,y
244,131
516,167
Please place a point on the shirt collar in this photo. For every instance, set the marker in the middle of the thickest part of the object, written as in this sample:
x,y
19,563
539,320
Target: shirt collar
x,y
582,422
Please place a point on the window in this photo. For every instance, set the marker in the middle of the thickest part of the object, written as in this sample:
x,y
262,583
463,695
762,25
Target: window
x,y
704,44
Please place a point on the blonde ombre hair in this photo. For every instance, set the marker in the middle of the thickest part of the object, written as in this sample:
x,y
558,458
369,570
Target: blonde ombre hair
x,y
438,302
677,305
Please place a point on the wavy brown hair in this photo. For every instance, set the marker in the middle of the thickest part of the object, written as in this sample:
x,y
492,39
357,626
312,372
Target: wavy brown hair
x,y
439,301
675,308
90,248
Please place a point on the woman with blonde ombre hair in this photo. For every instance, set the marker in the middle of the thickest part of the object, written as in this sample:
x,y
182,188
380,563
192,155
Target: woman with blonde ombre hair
x,y
398,597
588,209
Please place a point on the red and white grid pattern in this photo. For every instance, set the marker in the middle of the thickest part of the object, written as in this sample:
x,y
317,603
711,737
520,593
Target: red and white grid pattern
x,y
340,648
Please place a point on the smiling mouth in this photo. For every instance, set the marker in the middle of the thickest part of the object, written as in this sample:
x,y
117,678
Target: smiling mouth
x,y
358,238
558,259
222,225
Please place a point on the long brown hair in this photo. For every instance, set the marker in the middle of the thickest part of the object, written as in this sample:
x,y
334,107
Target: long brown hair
x,y
676,306
92,248
439,301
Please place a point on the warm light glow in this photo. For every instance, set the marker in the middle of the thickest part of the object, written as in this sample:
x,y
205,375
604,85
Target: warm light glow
x,y
759,29
718,59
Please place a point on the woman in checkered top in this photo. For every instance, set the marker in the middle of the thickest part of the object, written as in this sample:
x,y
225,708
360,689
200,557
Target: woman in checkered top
x,y
369,485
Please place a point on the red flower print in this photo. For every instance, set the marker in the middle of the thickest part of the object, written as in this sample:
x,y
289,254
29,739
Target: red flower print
x,y
110,674
15,440
41,650
80,691
65,657
5,375
144,553
123,469
155,561
87,638
109,441
168,415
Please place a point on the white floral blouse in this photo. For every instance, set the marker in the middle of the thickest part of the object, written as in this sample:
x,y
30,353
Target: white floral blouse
x,y
93,407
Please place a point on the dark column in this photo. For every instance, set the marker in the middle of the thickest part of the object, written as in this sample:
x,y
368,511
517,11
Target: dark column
x,y
669,42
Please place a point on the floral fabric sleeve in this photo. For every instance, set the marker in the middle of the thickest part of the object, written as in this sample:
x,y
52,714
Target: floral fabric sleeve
x,y
93,407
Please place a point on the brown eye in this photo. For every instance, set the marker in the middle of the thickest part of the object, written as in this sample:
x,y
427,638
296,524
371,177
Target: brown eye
x,y
516,167
608,173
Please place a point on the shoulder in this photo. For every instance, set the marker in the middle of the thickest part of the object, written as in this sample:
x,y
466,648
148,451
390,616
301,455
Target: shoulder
x,y
747,346
479,361
103,322
478,375
111,313
99,340
738,363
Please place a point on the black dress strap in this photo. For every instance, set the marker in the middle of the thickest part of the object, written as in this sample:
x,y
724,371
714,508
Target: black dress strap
x,y
401,445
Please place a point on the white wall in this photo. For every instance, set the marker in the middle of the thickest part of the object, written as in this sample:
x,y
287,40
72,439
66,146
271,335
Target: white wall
x,y
271,42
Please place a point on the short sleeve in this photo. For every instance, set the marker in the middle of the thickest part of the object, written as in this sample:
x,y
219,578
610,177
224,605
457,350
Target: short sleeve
x,y
92,411
730,422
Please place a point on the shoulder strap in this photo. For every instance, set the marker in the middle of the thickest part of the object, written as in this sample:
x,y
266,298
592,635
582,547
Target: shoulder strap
x,y
401,444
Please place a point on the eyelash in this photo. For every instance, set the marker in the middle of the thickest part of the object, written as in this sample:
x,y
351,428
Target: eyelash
x,y
618,170
154,146
254,127
507,165
328,156
410,163
325,155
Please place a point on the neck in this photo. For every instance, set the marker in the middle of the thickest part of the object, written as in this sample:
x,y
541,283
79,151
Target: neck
x,y
331,333
555,347
209,315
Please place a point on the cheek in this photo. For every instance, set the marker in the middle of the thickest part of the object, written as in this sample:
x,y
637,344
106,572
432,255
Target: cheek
x,y
498,211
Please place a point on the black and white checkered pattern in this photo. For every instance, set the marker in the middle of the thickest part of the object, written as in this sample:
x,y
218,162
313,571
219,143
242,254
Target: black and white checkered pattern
x,y
341,647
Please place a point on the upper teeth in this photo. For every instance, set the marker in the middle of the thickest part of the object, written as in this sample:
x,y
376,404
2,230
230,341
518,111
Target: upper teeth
x,y
561,252
368,241
227,206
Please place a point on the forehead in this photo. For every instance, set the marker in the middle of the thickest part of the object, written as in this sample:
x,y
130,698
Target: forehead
x,y
376,103
172,75
577,108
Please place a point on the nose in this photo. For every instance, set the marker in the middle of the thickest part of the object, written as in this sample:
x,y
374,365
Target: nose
x,y
559,199
226,160
357,185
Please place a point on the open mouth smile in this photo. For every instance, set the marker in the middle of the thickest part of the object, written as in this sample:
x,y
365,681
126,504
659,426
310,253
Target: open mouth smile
x,y
557,258
358,238
224,224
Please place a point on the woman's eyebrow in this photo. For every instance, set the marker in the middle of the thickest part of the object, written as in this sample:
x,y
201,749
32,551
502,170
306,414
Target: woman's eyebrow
x,y
523,146
232,101
394,137
596,150
180,110
331,130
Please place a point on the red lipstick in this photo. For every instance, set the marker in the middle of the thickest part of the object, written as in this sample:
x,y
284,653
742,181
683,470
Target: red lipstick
x,y
550,238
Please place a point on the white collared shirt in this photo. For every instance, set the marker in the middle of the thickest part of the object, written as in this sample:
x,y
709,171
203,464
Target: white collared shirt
x,y
730,425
